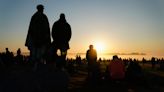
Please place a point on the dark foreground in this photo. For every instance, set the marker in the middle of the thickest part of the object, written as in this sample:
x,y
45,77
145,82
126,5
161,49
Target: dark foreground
x,y
48,79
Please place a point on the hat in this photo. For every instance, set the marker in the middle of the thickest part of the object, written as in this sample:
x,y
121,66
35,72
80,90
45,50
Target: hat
x,y
40,6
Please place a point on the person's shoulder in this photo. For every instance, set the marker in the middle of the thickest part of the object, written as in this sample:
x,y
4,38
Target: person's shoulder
x,y
35,14
44,14
88,51
56,23
95,50
67,24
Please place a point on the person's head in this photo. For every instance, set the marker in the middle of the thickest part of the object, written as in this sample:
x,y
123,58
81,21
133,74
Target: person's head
x,y
153,58
19,51
62,17
7,49
91,46
115,57
40,8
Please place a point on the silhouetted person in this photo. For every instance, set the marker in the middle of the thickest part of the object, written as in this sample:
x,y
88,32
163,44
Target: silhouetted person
x,y
61,34
143,61
153,62
116,69
1,61
19,57
91,55
7,51
8,57
162,64
134,71
38,37
78,60
93,68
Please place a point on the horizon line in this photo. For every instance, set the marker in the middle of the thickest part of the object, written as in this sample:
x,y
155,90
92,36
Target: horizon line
x,y
81,53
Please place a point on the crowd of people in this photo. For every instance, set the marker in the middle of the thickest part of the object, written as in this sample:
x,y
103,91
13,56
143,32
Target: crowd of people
x,y
8,58
116,69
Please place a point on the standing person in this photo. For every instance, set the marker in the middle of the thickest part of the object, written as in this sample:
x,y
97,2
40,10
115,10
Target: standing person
x,y
91,57
153,62
38,37
61,34
8,57
19,57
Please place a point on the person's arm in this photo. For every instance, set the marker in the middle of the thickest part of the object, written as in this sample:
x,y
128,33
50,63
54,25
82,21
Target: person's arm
x,y
69,32
87,56
95,55
53,31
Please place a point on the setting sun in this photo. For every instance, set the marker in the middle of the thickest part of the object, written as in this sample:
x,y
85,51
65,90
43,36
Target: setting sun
x,y
100,47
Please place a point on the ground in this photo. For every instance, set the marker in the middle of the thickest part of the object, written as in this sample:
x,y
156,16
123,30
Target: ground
x,y
22,79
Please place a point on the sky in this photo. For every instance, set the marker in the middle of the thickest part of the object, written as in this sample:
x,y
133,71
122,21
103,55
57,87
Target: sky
x,y
116,26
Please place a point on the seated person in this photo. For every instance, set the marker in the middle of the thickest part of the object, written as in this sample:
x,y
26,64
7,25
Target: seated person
x,y
116,69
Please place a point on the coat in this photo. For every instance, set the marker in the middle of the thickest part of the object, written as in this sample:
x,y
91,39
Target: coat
x,y
38,32
61,34
117,69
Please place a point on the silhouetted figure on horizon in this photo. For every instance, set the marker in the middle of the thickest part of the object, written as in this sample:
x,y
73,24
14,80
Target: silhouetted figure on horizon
x,y
153,62
38,37
161,64
7,51
143,61
8,58
93,67
61,34
78,60
19,57
91,55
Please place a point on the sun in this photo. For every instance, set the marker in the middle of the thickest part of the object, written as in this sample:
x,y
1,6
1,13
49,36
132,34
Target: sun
x,y
100,47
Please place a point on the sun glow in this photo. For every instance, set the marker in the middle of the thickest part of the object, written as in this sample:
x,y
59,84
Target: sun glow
x,y
100,47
